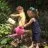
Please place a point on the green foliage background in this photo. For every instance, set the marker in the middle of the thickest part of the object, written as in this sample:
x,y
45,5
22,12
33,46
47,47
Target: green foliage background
x,y
4,11
4,27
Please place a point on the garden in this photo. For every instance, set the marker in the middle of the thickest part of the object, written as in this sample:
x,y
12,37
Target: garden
x,y
7,7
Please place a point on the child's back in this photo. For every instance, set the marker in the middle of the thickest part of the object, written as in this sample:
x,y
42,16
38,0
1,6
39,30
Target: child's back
x,y
22,19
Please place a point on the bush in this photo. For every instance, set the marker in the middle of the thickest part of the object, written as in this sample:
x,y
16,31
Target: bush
x,y
4,11
4,27
44,24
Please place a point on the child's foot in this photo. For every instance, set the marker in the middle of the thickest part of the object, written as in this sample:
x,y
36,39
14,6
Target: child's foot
x,y
37,46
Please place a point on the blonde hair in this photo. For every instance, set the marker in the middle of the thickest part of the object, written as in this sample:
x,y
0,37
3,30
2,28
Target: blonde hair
x,y
19,8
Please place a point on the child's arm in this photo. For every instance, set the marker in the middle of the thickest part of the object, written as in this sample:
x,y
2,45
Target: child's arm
x,y
15,15
12,35
31,20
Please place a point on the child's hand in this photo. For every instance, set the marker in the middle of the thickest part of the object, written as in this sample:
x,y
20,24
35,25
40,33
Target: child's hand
x,y
11,15
9,35
24,26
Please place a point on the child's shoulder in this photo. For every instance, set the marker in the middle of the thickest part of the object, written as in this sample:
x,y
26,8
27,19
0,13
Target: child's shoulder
x,y
22,14
33,19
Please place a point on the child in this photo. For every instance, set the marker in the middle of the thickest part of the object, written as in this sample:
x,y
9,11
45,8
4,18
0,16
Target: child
x,y
21,15
33,14
19,30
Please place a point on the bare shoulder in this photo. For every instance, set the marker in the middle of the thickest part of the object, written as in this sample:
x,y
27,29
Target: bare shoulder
x,y
33,19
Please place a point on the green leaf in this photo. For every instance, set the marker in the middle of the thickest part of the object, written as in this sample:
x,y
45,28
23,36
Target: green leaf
x,y
6,32
4,41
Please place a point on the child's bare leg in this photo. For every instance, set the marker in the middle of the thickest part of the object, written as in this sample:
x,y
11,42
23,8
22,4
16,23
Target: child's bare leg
x,y
34,45
12,35
37,45
21,37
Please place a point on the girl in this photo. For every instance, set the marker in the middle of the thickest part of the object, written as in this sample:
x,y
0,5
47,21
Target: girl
x,y
21,14
33,14
19,30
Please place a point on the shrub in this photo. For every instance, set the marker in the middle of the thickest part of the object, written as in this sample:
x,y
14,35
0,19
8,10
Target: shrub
x,y
4,11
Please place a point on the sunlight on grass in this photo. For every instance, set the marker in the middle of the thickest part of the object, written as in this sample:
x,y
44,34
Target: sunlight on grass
x,y
46,47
